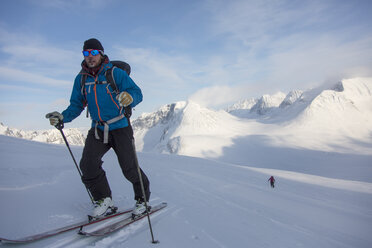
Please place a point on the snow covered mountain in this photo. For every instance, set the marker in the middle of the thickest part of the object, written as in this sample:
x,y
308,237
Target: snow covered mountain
x,y
328,118
291,98
346,105
323,104
175,127
256,107
336,118
75,136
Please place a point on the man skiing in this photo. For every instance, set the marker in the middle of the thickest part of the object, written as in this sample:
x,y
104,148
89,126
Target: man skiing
x,y
110,127
272,181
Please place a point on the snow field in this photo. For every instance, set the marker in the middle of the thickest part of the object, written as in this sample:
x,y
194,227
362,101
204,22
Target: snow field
x,y
210,203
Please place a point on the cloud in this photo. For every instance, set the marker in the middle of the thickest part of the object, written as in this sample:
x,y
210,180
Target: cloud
x,y
167,77
310,61
304,65
271,46
219,95
31,59
33,53
27,77
256,23
17,88
286,44
36,54
59,103
71,5
14,114
157,69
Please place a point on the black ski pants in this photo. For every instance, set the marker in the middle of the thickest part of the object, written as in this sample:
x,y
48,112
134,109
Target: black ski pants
x,y
93,175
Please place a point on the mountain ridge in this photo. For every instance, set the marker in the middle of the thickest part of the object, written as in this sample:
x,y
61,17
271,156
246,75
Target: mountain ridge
x,y
315,119
319,118
75,136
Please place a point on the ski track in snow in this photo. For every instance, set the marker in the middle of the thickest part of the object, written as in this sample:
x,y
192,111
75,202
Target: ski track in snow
x,y
23,187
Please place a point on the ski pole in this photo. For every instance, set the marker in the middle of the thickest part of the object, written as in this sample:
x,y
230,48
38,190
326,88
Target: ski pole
x,y
60,126
143,192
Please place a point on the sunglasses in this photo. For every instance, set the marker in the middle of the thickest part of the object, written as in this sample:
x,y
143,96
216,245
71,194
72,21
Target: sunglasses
x,y
93,52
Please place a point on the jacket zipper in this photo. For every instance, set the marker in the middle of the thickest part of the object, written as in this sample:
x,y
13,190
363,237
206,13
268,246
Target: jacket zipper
x,y
95,97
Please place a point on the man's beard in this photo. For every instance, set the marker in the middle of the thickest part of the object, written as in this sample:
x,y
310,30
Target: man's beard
x,y
92,63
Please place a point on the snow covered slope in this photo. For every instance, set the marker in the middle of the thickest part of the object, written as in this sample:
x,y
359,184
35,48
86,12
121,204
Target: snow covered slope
x,y
340,116
335,118
186,128
347,106
336,103
210,204
261,106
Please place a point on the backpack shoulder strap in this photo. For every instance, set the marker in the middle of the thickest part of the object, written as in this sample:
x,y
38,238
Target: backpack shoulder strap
x,y
83,79
111,81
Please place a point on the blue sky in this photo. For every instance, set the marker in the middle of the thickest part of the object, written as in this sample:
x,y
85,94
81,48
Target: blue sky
x,y
214,52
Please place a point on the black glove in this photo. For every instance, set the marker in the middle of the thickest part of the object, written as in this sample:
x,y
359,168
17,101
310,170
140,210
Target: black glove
x,y
55,118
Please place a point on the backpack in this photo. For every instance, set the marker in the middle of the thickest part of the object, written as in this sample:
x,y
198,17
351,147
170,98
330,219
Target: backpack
x,y
111,81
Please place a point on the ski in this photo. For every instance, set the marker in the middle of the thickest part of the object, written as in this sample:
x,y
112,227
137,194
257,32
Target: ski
x,y
122,223
67,228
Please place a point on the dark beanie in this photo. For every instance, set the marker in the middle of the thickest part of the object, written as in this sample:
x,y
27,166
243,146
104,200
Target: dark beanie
x,y
93,44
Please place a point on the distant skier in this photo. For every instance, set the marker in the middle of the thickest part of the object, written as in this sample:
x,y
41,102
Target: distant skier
x,y
272,181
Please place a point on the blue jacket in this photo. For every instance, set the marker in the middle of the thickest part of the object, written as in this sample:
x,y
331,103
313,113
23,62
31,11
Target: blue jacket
x,y
101,99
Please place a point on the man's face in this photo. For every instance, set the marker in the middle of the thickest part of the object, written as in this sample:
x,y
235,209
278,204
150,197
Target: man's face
x,y
93,61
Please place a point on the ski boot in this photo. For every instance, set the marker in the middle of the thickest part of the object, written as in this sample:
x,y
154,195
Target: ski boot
x,y
140,209
103,207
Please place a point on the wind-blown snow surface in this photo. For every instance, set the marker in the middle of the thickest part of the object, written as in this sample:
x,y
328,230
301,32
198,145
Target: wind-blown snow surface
x,y
210,204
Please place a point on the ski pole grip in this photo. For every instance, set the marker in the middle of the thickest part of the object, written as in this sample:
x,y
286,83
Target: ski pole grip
x,y
60,125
